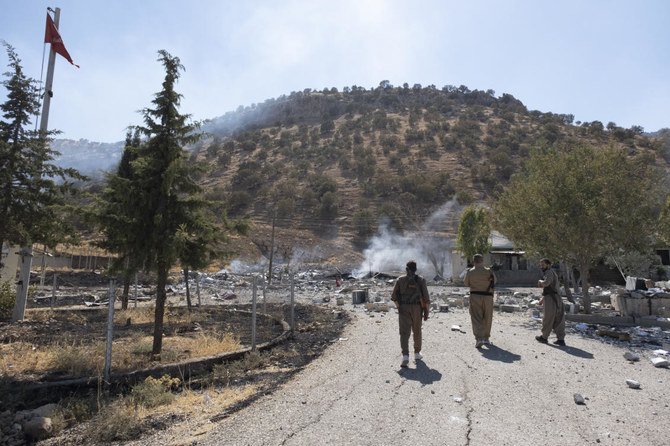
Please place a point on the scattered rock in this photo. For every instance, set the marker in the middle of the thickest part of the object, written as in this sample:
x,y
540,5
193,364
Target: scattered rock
x,y
579,399
633,384
38,428
632,357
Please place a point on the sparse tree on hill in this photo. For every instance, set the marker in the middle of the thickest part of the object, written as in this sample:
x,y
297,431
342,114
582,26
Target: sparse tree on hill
x,y
580,205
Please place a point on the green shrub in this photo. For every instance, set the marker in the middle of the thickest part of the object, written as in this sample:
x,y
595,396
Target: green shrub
x,y
7,299
154,392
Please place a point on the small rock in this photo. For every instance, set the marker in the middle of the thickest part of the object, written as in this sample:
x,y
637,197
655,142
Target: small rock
x,y
455,328
579,399
630,356
38,428
660,362
633,384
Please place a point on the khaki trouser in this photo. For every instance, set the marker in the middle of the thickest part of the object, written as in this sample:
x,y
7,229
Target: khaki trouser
x,y
481,314
554,317
409,320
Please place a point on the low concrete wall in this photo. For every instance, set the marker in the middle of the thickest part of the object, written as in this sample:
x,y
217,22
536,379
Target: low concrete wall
x,y
45,392
637,307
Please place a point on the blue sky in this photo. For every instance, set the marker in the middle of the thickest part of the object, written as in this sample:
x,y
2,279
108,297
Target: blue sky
x,y
605,60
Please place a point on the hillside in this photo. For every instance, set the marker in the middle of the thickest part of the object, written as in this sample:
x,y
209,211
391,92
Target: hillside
x,y
335,164
332,167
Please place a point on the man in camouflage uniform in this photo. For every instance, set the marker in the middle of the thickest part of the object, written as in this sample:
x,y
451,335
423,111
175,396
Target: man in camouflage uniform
x,y
410,295
481,281
554,313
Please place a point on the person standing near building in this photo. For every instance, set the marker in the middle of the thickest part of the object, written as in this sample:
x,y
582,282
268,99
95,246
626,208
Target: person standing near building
x,y
410,295
481,281
554,313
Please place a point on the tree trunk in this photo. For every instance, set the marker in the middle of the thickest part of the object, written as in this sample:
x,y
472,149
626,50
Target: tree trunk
x,y
188,291
584,275
566,281
160,312
126,290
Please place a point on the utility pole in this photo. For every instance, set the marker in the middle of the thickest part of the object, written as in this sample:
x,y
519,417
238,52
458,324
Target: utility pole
x,y
27,251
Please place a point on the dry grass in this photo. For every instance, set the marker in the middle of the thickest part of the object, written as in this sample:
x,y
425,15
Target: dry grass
x,y
128,354
20,358
126,418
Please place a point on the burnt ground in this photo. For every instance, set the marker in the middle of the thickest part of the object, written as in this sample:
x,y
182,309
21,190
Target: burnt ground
x,y
316,328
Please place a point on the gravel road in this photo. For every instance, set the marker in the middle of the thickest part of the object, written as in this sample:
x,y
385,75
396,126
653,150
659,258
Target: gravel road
x,y
517,392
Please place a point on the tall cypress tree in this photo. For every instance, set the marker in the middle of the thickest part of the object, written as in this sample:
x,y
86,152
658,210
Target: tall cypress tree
x,y
116,211
32,188
169,202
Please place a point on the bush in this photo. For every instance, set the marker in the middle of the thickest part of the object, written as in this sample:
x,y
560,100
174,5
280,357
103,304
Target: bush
x,y
116,422
154,391
7,299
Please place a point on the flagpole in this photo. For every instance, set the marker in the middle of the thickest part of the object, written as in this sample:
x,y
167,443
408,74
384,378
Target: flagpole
x,y
26,252
48,93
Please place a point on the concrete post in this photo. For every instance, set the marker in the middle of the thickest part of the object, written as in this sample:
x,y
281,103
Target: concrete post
x,y
253,315
110,329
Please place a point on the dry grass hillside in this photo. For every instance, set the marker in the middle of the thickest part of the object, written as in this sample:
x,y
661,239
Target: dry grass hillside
x,y
329,166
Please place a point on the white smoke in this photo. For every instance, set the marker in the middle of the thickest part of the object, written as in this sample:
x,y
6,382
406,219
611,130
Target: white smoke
x,y
428,245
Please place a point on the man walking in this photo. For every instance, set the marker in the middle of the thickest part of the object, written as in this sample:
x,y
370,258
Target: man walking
x,y
410,295
554,313
481,281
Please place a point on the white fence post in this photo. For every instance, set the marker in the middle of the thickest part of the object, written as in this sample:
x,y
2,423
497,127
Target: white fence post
x,y
110,329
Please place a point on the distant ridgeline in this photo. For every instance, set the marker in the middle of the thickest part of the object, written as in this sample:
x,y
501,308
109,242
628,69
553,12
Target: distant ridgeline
x,y
89,157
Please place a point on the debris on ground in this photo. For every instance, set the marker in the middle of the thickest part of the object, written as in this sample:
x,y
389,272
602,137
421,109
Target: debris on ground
x,y
633,384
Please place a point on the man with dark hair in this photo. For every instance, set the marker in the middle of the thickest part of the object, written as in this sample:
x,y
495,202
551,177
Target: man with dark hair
x,y
481,281
554,313
410,295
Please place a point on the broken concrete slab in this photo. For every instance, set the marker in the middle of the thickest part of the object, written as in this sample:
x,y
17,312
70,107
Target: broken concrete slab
x,y
660,362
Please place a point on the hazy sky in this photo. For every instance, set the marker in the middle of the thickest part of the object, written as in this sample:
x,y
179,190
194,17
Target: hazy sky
x,y
604,60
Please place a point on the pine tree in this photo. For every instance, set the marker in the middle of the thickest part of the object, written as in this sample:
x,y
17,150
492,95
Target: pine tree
x,y
32,188
115,213
169,202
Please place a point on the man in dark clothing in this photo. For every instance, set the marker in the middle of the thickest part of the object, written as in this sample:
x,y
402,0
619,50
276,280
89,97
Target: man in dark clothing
x,y
554,313
410,295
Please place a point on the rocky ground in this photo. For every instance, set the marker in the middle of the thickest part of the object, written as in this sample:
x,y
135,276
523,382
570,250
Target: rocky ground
x,y
298,401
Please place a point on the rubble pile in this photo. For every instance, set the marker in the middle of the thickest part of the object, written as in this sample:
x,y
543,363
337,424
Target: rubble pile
x,y
643,299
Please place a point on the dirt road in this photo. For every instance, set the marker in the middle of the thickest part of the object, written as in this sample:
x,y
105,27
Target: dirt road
x,y
517,392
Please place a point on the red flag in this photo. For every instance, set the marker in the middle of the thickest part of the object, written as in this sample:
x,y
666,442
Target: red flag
x,y
52,36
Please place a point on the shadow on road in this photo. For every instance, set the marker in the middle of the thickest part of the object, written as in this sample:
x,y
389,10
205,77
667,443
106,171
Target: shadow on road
x,y
574,351
495,353
422,373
